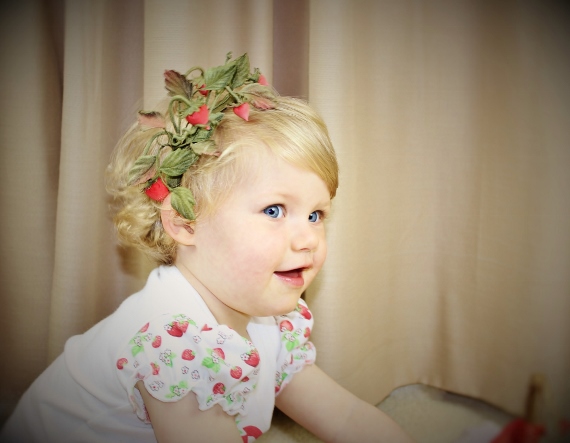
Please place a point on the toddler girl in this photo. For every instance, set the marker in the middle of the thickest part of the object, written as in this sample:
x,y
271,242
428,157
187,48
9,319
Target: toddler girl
x,y
228,190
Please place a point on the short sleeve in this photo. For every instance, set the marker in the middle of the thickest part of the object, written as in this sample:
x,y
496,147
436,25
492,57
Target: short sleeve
x,y
296,350
174,355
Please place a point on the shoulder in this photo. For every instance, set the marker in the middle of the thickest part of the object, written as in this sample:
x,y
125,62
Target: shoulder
x,y
174,353
296,350
296,323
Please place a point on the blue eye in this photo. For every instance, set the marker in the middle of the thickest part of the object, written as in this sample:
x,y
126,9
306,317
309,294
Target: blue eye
x,y
274,211
315,216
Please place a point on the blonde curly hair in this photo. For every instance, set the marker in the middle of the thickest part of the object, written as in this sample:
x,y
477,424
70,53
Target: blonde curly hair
x,y
292,131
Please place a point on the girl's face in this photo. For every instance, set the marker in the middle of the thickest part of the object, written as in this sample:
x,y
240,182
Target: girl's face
x,y
266,242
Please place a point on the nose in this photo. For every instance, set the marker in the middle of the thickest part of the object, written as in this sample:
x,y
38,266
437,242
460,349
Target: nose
x,y
304,237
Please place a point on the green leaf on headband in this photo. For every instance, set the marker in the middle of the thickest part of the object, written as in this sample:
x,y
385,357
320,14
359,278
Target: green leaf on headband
x,y
183,202
152,119
172,182
242,71
140,168
221,101
177,162
216,118
189,108
205,147
220,76
177,84
255,76
258,89
181,140
201,135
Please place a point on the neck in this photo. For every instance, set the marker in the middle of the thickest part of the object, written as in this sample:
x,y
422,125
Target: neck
x,y
223,314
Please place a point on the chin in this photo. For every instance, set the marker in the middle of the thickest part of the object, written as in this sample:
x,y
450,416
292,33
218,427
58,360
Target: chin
x,y
289,307
275,310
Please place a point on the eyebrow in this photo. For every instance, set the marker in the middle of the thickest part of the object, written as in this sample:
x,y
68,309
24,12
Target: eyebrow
x,y
288,196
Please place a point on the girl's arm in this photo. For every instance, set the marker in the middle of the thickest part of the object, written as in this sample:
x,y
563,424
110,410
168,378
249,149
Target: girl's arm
x,y
332,413
182,421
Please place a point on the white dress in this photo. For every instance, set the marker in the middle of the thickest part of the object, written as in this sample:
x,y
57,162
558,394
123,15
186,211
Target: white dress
x,y
166,336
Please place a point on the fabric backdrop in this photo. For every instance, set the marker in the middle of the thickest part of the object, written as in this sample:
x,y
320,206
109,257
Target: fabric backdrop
x,y
449,242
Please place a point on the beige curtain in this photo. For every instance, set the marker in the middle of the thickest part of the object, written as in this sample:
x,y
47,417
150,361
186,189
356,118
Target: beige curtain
x,y
449,258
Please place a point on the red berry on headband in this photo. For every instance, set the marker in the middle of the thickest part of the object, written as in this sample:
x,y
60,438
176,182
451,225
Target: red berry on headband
x,y
157,191
242,111
200,117
262,80
203,91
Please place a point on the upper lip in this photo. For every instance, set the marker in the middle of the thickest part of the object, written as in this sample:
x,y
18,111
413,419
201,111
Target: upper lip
x,y
298,268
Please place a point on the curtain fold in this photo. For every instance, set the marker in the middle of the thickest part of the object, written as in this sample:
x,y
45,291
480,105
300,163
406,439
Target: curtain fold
x,y
30,94
102,84
449,241
183,34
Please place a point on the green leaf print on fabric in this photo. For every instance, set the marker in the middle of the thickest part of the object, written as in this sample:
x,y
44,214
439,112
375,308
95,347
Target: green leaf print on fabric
x,y
167,357
178,390
181,318
291,340
230,398
280,377
138,342
137,346
213,361
233,397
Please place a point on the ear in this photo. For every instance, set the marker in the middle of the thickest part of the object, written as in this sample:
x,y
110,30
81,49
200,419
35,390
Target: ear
x,y
174,226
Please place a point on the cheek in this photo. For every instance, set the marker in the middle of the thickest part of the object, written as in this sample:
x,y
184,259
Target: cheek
x,y
321,254
259,242
260,257
253,255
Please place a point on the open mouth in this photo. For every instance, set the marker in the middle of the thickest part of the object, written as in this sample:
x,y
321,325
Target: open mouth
x,y
292,273
293,277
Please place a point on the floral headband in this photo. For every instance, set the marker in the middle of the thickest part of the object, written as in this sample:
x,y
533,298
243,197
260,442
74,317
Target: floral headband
x,y
195,110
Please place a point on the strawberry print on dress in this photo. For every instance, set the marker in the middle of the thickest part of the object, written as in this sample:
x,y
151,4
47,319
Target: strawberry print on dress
x,y
296,349
174,355
249,433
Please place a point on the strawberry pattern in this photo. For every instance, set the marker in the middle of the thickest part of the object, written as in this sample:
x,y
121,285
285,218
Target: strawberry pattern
x,y
296,350
166,337
176,354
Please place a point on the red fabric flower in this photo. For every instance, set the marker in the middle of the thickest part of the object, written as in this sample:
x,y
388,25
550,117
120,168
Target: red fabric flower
x,y
242,111
157,191
200,117
203,91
